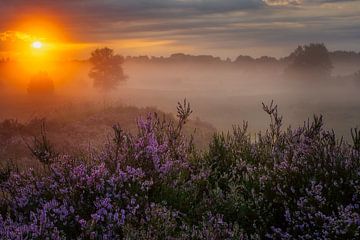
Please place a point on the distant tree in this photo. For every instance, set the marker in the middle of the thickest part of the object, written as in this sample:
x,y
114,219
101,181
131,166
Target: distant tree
x,y
309,62
107,71
245,60
266,60
345,57
41,84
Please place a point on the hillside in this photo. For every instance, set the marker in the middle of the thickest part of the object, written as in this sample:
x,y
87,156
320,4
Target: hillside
x,y
79,129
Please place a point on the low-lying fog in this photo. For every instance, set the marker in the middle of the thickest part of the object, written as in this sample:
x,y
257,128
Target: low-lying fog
x,y
222,95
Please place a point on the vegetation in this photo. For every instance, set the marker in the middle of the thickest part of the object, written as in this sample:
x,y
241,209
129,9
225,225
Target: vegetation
x,y
41,84
310,61
336,57
107,71
78,128
287,184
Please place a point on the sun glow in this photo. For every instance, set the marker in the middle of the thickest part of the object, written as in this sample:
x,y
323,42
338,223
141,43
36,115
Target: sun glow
x,y
37,44
41,40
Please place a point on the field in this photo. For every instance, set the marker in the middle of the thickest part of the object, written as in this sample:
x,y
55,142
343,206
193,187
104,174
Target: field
x,y
251,153
155,184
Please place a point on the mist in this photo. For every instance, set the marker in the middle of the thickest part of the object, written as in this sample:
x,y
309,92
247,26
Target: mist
x,y
221,92
180,119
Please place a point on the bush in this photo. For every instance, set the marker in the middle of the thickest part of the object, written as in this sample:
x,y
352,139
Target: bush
x,y
301,183
41,84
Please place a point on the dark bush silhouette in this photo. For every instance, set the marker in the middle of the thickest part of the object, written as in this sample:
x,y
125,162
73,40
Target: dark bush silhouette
x,y
41,84
107,71
309,62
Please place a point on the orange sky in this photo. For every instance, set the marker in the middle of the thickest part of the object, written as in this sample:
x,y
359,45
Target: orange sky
x,y
227,28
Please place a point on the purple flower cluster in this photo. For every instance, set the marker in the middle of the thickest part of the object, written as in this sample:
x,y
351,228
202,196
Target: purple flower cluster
x,y
121,192
293,184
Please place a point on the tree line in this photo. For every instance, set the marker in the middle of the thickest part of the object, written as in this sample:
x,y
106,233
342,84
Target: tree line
x,y
307,62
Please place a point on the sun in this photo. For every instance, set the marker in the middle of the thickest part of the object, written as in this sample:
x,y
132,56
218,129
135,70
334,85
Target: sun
x,y
37,44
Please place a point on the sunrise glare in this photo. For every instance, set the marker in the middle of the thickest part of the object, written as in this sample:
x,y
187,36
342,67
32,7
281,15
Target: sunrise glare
x,y
37,44
179,119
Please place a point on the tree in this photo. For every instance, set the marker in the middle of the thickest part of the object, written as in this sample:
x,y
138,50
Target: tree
x,y
309,62
107,71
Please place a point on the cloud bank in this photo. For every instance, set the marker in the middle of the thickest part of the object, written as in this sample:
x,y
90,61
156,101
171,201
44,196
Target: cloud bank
x,y
225,28
282,2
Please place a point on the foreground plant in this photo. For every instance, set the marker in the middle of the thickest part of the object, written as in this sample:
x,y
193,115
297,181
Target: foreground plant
x,y
287,184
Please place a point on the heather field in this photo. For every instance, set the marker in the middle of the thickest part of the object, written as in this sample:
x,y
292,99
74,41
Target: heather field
x,y
180,120
301,183
105,156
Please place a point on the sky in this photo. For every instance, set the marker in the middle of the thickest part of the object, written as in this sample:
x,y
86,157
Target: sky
x,y
225,28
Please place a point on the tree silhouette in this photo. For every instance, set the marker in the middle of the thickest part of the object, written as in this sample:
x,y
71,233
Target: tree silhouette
x,y
309,62
107,71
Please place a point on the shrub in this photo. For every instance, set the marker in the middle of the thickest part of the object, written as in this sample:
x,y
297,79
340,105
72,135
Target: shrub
x,y
299,183
41,84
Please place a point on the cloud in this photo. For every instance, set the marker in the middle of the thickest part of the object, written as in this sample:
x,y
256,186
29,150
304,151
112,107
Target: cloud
x,y
206,26
301,2
13,36
282,2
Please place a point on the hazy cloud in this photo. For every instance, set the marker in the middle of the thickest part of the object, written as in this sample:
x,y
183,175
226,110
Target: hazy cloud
x,y
12,36
203,26
282,2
